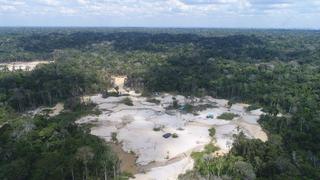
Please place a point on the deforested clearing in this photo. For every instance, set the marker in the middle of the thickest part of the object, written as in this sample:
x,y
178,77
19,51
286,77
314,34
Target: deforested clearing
x,y
160,157
24,66
53,111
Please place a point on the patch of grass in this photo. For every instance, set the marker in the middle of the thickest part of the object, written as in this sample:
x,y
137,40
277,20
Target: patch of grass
x,y
197,155
127,175
127,101
227,116
158,127
210,148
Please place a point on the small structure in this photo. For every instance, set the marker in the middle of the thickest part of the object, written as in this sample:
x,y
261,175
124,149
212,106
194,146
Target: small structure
x,y
210,116
167,135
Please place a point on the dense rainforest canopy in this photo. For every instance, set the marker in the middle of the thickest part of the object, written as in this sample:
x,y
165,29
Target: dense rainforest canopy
x,y
274,69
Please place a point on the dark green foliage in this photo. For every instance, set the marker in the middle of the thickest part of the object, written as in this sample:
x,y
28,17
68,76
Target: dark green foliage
x,y
227,116
210,148
46,85
188,108
54,148
114,137
225,167
127,101
152,100
253,107
175,103
242,45
157,128
72,103
269,159
212,132
175,135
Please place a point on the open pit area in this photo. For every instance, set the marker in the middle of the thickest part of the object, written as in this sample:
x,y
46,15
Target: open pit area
x,y
140,128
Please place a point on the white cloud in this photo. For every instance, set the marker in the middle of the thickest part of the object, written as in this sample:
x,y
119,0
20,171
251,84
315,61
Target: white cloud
x,y
7,8
68,11
83,2
50,2
139,10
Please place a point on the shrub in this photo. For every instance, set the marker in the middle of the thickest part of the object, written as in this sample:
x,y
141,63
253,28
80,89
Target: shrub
x,y
114,137
72,103
175,104
157,128
230,103
175,135
253,107
127,101
107,94
210,148
188,108
212,132
127,175
227,116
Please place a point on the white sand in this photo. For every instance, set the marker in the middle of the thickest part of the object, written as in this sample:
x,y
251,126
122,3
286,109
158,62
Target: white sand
x,y
25,66
134,127
54,111
169,172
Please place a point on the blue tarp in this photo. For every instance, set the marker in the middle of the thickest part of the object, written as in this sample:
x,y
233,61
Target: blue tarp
x,y
211,116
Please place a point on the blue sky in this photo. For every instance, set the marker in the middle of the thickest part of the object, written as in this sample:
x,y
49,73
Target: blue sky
x,y
162,13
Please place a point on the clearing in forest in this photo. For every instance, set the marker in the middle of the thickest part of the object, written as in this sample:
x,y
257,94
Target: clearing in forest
x,y
139,129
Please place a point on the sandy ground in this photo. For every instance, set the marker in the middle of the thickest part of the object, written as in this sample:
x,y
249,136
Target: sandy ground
x,y
57,109
160,158
168,172
54,111
119,82
127,160
85,99
25,66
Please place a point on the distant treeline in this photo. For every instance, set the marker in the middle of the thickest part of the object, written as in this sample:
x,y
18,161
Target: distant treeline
x,y
253,46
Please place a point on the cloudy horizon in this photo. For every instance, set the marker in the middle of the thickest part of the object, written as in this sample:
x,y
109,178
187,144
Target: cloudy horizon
x,y
162,13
